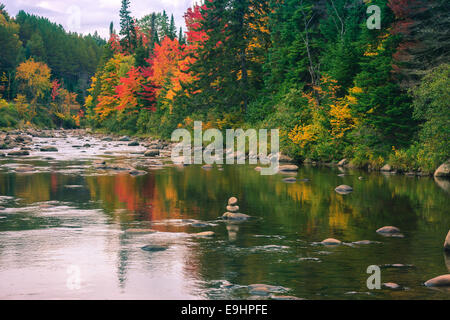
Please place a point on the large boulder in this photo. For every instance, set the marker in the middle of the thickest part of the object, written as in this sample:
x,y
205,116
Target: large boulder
x,y
443,170
386,168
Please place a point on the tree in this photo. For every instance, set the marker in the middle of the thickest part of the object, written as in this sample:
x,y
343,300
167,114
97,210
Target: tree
x,y
34,79
11,47
431,107
127,26
172,34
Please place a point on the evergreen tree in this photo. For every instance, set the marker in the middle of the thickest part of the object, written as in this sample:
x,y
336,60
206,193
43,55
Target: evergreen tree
x,y
127,28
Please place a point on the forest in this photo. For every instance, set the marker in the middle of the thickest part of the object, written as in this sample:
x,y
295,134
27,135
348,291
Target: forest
x,y
335,86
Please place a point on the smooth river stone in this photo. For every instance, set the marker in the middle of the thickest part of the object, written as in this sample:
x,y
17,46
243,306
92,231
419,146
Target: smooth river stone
x,y
235,216
441,281
343,189
233,209
232,201
389,230
331,242
392,285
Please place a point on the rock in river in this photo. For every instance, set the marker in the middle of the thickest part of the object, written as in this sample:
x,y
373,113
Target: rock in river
x,y
290,180
447,242
331,242
443,170
235,216
152,153
233,209
232,201
49,149
344,189
288,168
441,281
389,230
343,162
392,285
154,248
265,289
19,153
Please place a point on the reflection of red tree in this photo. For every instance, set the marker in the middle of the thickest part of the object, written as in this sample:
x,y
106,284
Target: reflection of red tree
x,y
54,182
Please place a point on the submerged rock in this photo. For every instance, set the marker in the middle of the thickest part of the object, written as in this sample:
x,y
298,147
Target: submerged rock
x,y
49,149
282,298
19,153
397,266
265,289
154,248
136,173
365,242
140,231
441,281
290,180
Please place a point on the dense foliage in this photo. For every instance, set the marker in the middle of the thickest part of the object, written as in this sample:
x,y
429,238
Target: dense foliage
x,y
314,69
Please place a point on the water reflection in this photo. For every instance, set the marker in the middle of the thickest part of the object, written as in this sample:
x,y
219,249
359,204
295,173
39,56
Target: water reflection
x,y
49,224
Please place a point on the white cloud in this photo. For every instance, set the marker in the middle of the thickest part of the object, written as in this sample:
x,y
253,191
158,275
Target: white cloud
x,y
96,15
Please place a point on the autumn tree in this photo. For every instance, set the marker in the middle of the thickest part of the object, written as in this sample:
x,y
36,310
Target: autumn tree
x,y
34,79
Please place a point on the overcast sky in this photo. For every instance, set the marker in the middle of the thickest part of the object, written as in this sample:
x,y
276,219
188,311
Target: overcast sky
x,y
87,16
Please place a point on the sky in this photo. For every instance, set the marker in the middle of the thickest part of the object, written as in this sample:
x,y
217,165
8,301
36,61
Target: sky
x,y
88,16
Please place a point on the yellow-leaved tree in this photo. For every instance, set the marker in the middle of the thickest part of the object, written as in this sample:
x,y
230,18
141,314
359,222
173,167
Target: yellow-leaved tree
x,y
330,121
34,80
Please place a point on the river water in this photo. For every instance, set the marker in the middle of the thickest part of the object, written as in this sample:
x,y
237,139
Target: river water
x,y
68,230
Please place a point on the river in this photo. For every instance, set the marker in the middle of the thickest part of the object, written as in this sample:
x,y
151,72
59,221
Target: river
x,y
69,230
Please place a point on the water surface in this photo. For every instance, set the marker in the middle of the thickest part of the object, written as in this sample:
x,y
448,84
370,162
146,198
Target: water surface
x,y
66,218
